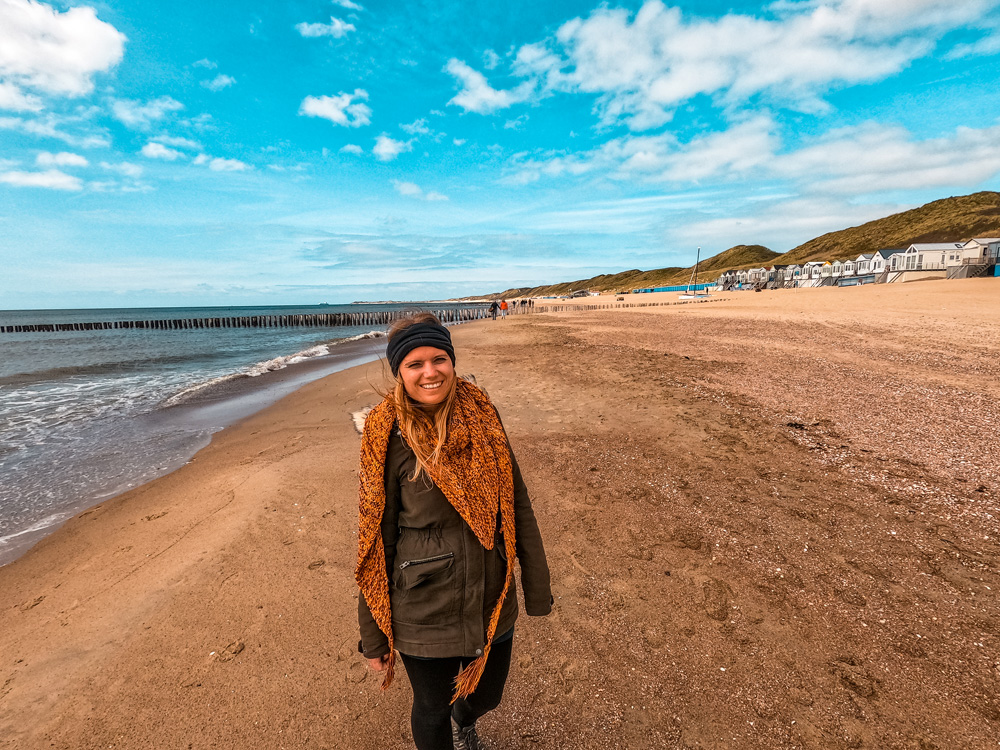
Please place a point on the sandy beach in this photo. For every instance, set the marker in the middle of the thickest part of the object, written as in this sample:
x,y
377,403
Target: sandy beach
x,y
772,522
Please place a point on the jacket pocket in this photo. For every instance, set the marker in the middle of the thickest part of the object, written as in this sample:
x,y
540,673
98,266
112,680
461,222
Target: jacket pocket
x,y
415,572
425,589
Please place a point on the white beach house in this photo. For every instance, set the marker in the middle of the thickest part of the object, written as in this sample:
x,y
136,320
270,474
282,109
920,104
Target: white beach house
x,y
881,260
812,269
925,256
862,263
984,250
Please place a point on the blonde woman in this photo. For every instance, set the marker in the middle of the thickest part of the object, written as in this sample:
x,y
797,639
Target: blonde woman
x,y
443,514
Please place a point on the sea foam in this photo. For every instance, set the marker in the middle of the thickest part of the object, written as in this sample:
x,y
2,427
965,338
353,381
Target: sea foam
x,y
262,368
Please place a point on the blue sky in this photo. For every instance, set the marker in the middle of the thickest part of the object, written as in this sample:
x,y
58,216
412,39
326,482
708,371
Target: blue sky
x,y
330,151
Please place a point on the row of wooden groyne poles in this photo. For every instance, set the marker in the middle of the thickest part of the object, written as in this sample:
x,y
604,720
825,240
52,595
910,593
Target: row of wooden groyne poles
x,y
308,320
313,320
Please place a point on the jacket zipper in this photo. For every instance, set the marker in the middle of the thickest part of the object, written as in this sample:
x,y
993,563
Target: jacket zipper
x,y
423,560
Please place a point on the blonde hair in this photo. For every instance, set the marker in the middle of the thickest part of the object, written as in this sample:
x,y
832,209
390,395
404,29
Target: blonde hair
x,y
424,429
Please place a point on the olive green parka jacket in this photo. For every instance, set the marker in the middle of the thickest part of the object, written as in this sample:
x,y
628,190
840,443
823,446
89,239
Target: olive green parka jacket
x,y
443,584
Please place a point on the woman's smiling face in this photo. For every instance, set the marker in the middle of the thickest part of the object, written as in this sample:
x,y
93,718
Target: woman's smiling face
x,y
427,374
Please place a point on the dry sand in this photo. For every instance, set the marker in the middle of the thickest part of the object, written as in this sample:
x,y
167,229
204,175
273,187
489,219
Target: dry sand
x,y
771,521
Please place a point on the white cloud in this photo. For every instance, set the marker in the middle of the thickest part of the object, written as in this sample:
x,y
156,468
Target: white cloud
x,y
218,83
52,52
988,45
783,225
62,159
336,28
218,164
459,141
407,188
153,150
227,165
348,4
642,67
205,63
178,141
516,123
52,179
352,148
124,168
387,149
873,158
490,60
412,190
341,109
740,150
136,114
478,96
12,98
417,127
48,127
855,161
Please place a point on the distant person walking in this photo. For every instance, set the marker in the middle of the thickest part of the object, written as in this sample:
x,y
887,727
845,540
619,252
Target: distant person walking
x,y
503,308
493,309
444,514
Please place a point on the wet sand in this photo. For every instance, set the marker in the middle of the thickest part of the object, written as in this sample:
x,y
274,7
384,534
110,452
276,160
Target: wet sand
x,y
772,522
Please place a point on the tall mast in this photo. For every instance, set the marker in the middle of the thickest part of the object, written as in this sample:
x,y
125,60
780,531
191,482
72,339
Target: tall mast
x,y
694,275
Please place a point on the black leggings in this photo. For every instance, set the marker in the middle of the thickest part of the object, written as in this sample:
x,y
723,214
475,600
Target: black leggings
x,y
433,682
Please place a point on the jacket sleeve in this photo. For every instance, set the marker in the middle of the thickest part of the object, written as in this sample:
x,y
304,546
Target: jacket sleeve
x,y
374,642
535,581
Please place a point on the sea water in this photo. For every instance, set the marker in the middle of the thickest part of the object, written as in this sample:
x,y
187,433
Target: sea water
x,y
82,413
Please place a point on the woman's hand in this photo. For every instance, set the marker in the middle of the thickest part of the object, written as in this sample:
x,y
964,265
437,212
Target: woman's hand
x,y
379,664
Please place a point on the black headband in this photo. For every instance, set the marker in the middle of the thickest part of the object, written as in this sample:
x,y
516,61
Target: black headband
x,y
417,335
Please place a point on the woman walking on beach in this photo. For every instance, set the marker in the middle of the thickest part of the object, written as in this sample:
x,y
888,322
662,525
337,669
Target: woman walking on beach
x,y
443,513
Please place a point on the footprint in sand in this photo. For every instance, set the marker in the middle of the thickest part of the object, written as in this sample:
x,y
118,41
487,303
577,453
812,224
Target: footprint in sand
x,y
231,651
32,604
716,594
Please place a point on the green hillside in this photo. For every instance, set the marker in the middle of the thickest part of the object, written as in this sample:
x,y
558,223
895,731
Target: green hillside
x,y
950,219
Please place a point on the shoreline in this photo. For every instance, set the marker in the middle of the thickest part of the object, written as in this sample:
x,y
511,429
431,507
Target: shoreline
x,y
210,408
765,524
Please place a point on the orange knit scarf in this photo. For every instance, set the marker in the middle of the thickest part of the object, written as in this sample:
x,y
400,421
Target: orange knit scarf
x,y
474,473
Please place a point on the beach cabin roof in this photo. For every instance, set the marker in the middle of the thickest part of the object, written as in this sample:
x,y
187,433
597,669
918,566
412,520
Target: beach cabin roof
x,y
887,252
983,240
811,263
930,247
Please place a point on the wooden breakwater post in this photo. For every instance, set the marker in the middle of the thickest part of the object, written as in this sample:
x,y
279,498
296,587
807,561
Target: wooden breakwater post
x,y
276,320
